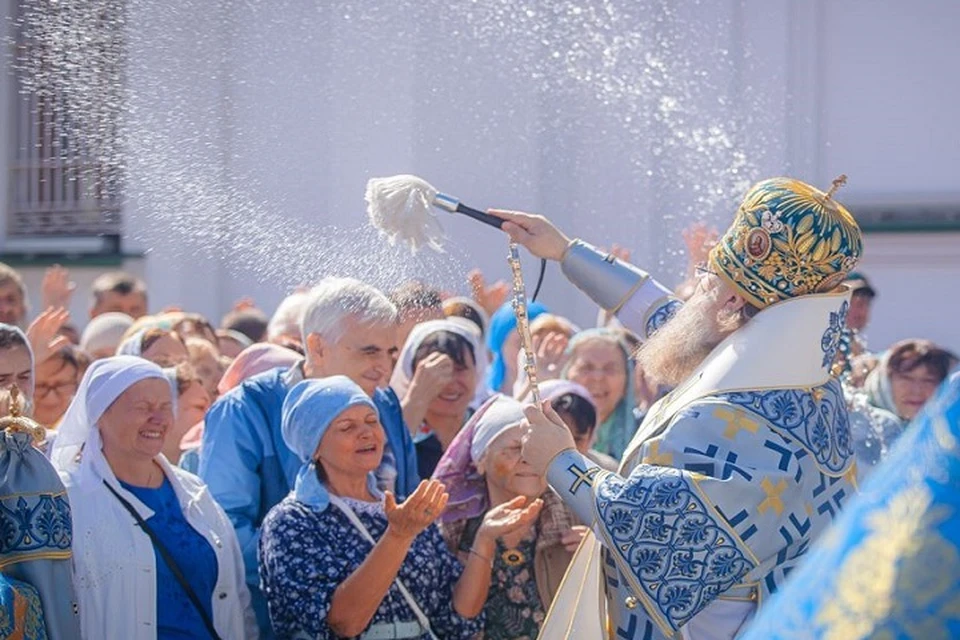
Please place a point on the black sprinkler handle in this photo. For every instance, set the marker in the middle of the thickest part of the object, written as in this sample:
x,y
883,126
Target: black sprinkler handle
x,y
480,216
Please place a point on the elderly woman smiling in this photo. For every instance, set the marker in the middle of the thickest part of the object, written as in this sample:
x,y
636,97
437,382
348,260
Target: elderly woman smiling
x,y
336,560
600,362
483,469
154,555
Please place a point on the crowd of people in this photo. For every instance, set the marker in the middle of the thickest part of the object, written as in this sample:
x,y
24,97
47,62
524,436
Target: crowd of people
x,y
351,465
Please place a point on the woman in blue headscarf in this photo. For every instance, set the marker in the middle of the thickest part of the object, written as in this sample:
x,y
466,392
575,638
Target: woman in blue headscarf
x,y
599,360
503,340
338,559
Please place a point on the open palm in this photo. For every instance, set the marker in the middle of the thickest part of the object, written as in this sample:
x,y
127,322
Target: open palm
x,y
417,512
510,516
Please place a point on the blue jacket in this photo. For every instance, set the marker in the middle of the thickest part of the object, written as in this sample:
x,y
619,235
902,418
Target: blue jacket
x,y
249,469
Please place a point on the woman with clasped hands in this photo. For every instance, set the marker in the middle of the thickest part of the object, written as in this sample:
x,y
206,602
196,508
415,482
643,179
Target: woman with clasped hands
x,y
337,559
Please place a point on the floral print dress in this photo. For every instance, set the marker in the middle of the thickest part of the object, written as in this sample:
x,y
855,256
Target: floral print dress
x,y
305,554
514,610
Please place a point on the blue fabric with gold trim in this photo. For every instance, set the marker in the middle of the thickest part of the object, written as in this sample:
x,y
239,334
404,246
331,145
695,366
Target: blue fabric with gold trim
x,y
659,316
36,534
721,504
21,616
890,568
788,239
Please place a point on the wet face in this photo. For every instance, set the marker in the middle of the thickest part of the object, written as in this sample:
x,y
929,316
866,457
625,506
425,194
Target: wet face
x,y
135,425
506,472
166,351
858,316
600,366
16,368
13,308
56,384
911,390
459,392
353,444
365,354
132,304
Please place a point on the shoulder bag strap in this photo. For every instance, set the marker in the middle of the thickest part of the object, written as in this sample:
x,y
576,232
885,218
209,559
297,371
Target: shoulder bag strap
x,y
358,524
170,562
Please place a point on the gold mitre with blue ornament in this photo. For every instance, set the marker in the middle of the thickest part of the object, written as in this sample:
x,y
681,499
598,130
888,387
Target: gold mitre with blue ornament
x,y
788,239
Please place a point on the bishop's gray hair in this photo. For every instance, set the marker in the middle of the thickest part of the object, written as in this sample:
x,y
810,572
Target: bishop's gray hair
x,y
336,300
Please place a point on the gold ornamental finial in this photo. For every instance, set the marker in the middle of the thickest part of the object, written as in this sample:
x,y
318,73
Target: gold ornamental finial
x,y
16,422
839,182
14,401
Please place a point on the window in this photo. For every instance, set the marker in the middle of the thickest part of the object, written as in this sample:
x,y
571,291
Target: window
x,y
66,178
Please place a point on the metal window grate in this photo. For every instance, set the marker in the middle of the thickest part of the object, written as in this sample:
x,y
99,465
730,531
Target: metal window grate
x,y
65,178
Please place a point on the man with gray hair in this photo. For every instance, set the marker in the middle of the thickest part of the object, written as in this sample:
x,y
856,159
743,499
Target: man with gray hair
x,y
348,328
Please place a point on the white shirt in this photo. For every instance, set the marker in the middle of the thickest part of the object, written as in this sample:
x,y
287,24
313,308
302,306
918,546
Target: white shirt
x,y
115,570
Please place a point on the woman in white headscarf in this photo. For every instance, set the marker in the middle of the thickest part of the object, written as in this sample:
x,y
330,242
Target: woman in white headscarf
x,y
483,469
440,378
154,555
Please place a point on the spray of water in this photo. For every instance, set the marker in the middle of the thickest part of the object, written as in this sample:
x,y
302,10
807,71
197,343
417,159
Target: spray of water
x,y
628,62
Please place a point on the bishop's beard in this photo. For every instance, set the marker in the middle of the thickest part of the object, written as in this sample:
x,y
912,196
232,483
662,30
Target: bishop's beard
x,y
681,345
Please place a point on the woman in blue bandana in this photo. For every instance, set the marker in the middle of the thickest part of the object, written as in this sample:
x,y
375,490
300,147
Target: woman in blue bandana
x,y
338,559
503,340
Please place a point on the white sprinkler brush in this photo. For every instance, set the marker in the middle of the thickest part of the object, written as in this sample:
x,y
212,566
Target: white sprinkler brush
x,y
401,207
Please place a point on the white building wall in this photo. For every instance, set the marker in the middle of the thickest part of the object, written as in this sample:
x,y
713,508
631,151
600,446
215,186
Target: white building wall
x,y
284,115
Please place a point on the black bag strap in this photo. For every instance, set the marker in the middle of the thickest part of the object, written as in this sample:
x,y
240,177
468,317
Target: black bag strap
x,y
170,562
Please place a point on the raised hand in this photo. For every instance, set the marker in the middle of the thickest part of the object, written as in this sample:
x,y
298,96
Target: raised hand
x,y
43,333
509,517
536,233
244,303
56,290
407,519
433,373
620,252
552,355
489,297
699,240
544,436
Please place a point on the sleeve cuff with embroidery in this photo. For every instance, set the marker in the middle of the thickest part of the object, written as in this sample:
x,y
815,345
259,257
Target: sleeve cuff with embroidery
x,y
573,478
